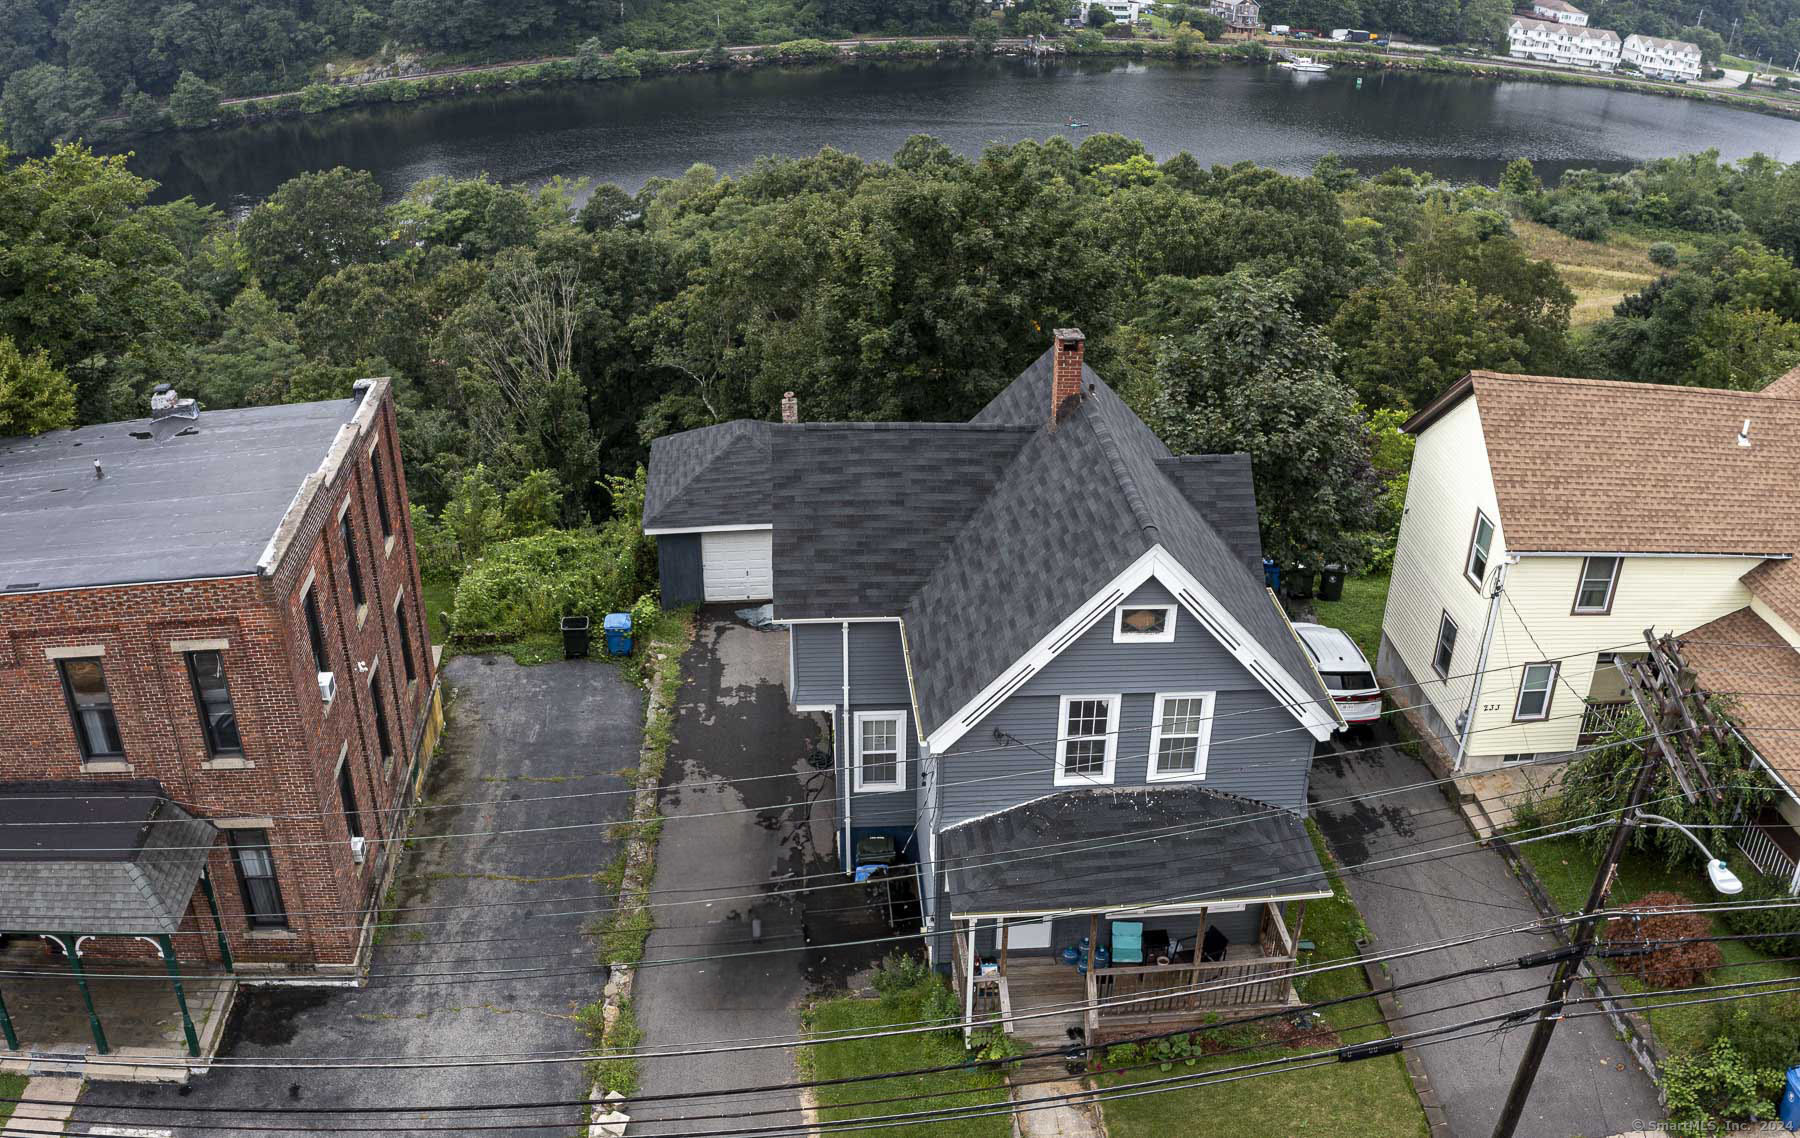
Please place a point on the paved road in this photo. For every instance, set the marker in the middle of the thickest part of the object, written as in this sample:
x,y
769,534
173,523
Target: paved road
x,y
733,723
1589,1084
517,733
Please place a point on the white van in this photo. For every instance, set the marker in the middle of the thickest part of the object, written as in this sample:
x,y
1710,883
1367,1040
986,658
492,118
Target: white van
x,y
1279,29
1340,33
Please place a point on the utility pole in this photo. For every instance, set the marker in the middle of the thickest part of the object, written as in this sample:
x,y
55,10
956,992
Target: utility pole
x,y
1664,679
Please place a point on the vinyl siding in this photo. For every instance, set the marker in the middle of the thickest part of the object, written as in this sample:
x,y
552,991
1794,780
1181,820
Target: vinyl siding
x,y
888,807
818,668
1670,594
1450,480
1257,750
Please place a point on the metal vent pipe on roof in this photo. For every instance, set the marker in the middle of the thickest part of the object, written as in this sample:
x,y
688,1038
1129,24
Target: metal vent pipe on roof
x,y
1743,439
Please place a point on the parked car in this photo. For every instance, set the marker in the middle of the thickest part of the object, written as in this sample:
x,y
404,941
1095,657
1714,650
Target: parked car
x,y
1345,670
1384,43
1303,35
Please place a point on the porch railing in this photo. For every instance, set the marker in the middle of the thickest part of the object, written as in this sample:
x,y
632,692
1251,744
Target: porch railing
x,y
1765,853
1599,720
1140,992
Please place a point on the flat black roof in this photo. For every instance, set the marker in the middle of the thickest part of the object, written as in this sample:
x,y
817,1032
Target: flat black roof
x,y
177,499
68,820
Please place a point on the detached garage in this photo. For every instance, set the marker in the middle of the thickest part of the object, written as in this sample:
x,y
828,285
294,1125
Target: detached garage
x,y
707,506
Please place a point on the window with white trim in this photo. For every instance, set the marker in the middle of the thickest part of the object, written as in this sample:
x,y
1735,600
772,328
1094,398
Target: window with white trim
x,y
1087,740
1144,624
880,750
1180,730
1535,686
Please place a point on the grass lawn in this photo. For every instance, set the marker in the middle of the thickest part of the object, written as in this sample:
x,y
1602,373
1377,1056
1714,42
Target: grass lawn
x,y
11,1086
1738,63
439,597
1566,867
1359,613
898,1053
1368,1099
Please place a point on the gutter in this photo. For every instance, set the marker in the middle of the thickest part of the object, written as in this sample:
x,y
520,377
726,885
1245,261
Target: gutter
x,y
1481,662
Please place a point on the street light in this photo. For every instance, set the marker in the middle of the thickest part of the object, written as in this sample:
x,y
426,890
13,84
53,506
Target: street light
x,y
1717,871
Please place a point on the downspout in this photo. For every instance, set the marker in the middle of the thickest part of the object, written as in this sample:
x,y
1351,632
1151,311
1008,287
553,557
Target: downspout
x,y
1467,720
849,756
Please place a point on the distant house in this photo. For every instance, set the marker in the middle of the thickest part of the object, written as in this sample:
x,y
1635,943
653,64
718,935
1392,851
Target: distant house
x,y
1551,41
1663,59
1125,11
1038,622
1239,15
1559,11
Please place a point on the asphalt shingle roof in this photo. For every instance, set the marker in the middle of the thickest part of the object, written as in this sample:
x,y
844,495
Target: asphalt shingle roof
x,y
1147,845
97,857
179,499
710,476
981,536
863,511
1741,654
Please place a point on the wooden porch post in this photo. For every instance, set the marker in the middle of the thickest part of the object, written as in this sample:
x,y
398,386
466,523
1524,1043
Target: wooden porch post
x,y
1299,923
1194,966
969,986
1005,935
167,944
1092,1016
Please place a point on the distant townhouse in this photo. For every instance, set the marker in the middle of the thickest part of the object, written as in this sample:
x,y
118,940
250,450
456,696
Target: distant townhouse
x,y
1550,41
1239,15
1559,11
216,682
1663,59
1125,11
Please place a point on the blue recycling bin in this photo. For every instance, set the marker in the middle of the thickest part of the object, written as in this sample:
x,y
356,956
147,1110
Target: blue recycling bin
x,y
1789,1111
1271,574
618,633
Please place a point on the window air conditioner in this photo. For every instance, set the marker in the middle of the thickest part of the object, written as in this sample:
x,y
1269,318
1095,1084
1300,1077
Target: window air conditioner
x,y
327,686
357,845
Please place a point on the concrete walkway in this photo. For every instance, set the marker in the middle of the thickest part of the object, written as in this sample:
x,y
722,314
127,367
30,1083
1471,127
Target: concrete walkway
x,y
1080,1119
732,722
57,1097
1589,1083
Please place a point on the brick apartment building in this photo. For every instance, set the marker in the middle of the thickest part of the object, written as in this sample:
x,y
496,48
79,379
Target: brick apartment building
x,y
217,685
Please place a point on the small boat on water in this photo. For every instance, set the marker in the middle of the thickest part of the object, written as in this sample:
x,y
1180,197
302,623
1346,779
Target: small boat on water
x,y
1303,63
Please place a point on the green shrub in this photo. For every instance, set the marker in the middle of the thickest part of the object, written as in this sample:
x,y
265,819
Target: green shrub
x,y
1777,930
1663,254
805,51
1718,1084
524,587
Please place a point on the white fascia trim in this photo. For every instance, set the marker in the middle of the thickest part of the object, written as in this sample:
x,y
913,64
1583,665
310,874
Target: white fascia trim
x,y
839,620
827,708
1615,553
661,531
1176,909
1155,562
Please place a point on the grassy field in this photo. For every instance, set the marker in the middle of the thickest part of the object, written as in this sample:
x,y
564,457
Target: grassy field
x,y
439,596
1566,868
898,1053
1368,1099
1600,273
1738,63
1359,613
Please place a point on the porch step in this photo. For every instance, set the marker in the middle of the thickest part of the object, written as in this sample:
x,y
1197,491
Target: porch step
x,y
55,1063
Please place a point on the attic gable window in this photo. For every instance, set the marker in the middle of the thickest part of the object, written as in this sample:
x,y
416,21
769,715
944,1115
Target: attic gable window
x,y
1144,624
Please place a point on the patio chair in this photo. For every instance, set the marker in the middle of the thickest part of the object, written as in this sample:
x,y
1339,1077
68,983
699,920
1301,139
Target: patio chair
x,y
1128,942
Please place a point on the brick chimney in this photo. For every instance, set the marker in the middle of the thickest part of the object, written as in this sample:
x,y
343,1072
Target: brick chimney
x,y
790,408
1065,377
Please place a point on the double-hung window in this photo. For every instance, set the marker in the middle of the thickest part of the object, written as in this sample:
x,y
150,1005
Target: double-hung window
x,y
1180,729
1446,646
378,470
880,750
347,798
1088,740
256,879
315,629
383,737
1599,581
1481,543
352,568
406,644
206,671
1535,687
91,708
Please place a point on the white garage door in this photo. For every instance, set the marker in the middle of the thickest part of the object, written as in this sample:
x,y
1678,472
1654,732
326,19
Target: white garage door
x,y
737,566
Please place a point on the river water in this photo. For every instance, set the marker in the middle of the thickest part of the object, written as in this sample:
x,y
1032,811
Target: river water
x,y
627,132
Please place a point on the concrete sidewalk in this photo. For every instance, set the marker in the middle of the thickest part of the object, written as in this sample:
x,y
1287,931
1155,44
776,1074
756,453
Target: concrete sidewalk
x,y
1589,1082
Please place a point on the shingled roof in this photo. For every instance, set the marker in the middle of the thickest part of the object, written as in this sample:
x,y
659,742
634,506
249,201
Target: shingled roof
x,y
982,536
1149,845
1739,653
95,857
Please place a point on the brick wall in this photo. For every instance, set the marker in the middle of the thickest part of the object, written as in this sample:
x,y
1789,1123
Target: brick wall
x,y
292,739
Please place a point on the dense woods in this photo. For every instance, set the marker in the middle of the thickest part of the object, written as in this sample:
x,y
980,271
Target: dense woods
x,y
538,345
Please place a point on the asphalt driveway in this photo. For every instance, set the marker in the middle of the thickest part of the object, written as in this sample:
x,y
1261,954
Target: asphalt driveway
x,y
486,957
726,849
1589,1084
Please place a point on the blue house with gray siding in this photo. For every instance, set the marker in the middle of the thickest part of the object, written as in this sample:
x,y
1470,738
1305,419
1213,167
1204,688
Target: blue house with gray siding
x,y
1055,678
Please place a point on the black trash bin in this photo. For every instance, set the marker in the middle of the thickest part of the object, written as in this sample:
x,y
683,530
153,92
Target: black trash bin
x,y
1298,581
1331,583
576,630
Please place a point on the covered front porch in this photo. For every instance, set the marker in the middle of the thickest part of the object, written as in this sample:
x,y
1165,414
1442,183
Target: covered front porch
x,y
95,880
1092,915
